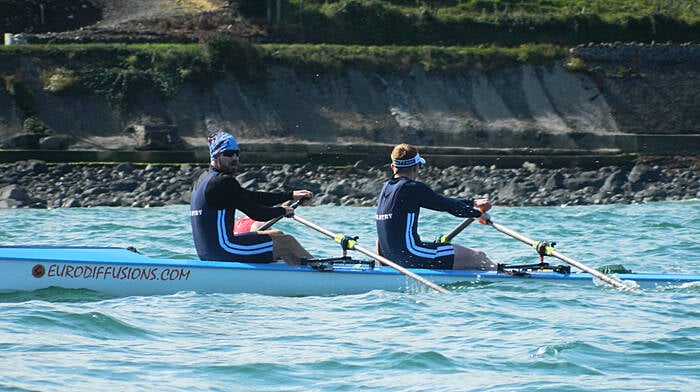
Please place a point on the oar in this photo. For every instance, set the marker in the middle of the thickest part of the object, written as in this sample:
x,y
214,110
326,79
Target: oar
x,y
551,252
271,222
375,256
457,230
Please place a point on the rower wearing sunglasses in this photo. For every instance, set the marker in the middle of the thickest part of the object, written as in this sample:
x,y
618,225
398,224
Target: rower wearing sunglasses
x,y
216,197
399,205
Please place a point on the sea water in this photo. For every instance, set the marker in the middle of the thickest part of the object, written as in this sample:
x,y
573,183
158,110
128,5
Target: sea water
x,y
507,336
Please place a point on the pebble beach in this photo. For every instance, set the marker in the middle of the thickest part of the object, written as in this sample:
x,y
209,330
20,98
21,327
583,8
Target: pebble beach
x,y
36,184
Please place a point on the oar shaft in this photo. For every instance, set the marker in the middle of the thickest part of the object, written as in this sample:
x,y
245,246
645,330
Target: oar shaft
x,y
462,226
314,226
375,256
512,233
271,222
605,278
458,229
401,269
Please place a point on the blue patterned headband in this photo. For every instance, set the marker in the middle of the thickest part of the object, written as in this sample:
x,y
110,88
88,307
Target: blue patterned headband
x,y
416,160
220,142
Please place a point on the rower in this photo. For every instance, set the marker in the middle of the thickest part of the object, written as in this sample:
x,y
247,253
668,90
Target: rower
x,y
215,199
398,209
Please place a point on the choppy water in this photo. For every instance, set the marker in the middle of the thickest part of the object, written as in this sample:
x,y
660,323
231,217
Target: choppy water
x,y
510,336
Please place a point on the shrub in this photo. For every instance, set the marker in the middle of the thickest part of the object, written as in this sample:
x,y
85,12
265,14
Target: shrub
x,y
575,64
34,125
59,80
229,52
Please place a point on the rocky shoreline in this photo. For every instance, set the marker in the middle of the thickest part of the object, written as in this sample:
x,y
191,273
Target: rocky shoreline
x,y
36,184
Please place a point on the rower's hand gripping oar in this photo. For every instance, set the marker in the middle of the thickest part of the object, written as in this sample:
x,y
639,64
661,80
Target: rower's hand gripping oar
x,y
543,249
351,243
271,222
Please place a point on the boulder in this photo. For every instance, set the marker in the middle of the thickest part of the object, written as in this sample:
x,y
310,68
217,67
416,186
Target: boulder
x,y
56,142
14,196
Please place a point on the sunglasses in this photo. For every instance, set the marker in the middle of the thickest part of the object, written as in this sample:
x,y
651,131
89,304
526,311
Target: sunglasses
x,y
230,153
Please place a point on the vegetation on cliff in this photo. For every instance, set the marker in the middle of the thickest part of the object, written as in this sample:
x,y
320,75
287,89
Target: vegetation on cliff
x,y
203,44
115,71
474,22
363,22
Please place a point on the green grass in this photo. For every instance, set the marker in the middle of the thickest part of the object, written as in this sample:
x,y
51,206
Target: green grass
x,y
473,22
401,58
688,10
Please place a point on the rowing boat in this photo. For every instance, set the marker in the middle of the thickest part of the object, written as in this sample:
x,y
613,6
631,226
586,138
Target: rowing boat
x,y
124,272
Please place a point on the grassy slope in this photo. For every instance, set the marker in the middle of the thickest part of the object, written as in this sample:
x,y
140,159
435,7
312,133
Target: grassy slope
x,y
688,10
499,22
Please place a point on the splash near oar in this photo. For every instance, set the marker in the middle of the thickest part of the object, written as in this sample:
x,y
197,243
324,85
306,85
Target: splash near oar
x,y
544,249
351,243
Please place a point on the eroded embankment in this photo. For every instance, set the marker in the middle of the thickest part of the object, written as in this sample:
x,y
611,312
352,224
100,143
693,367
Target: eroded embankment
x,y
630,98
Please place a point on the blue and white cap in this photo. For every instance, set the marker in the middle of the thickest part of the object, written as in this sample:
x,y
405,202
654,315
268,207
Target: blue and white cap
x,y
416,160
220,142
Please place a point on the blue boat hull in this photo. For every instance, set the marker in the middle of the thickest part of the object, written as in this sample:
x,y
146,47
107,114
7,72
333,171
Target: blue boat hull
x,y
120,272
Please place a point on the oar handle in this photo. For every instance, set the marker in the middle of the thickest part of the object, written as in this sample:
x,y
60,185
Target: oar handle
x,y
271,222
605,278
375,256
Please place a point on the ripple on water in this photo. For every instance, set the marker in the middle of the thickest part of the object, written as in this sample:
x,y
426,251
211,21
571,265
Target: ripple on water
x,y
506,336
94,325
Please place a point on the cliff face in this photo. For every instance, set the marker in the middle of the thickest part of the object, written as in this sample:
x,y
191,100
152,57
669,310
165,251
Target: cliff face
x,y
505,109
625,94
650,88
